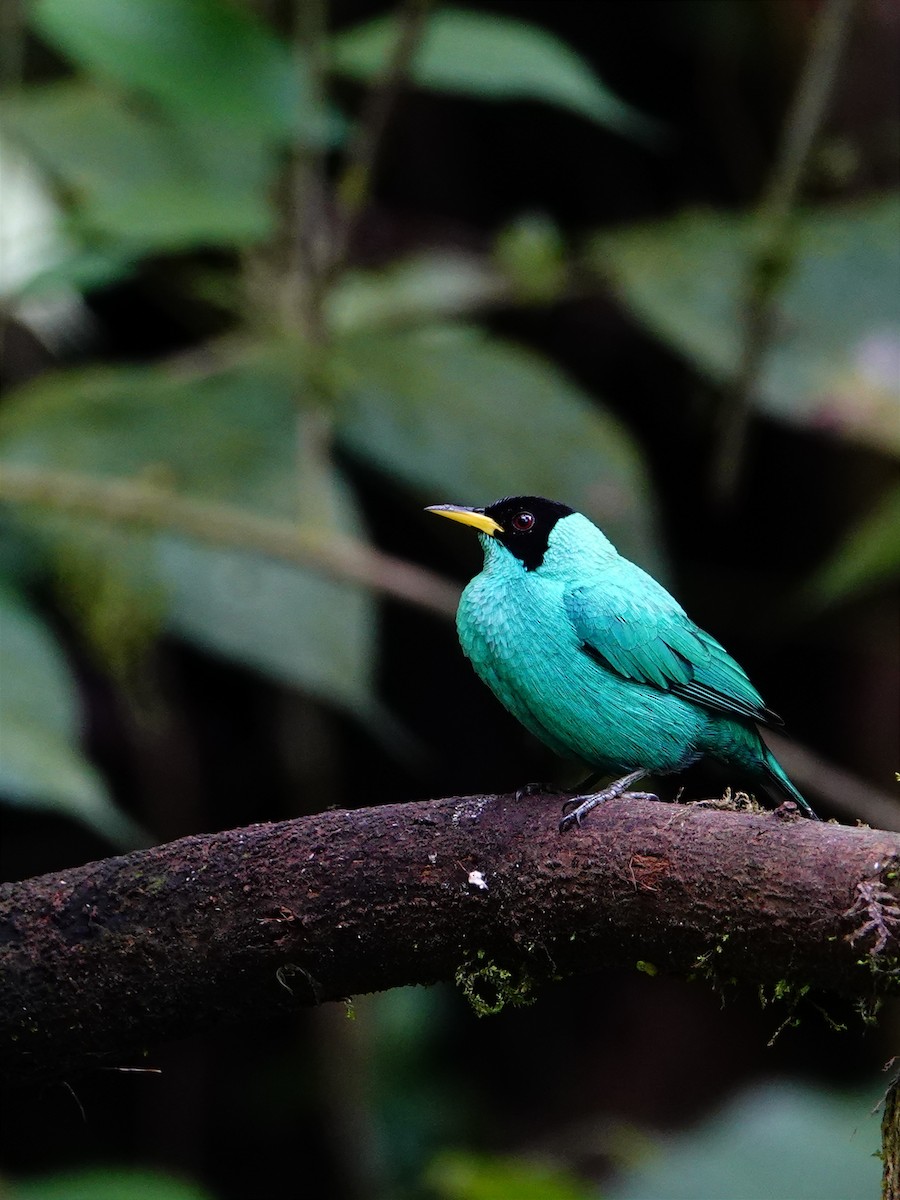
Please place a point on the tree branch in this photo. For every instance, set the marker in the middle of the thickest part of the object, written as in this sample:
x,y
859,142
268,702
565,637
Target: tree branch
x,y
148,506
105,959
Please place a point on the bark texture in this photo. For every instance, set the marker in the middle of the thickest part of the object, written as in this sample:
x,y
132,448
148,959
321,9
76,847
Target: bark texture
x,y
104,960
890,1143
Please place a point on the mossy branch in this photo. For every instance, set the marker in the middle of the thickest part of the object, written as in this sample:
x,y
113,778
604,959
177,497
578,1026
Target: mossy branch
x,y
102,961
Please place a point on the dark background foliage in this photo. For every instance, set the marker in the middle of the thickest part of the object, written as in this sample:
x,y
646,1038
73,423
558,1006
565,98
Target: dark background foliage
x,y
189,341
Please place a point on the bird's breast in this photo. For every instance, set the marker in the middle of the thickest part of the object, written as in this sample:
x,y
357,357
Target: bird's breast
x,y
513,624
522,643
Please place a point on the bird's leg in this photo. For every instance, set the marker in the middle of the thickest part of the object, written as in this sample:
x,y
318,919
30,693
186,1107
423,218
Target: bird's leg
x,y
592,780
584,804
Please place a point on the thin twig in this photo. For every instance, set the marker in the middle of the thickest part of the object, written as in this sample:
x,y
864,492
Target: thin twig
x,y
776,248
142,504
305,217
308,232
355,184
12,59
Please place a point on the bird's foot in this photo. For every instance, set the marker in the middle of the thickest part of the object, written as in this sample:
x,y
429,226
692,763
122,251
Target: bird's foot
x,y
580,806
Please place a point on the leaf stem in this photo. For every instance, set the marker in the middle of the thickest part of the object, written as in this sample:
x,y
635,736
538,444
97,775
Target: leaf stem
x,y
304,214
776,249
307,231
355,184
12,58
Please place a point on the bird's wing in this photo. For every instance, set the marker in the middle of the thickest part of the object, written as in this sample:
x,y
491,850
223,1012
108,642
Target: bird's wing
x,y
631,625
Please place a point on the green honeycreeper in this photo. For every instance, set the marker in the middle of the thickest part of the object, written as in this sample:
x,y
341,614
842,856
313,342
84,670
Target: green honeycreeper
x,y
597,660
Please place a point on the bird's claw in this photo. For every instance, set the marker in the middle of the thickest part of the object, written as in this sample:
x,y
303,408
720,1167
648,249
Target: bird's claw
x,y
576,808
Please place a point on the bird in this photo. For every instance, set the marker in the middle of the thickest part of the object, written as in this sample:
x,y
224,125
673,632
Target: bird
x,y
599,661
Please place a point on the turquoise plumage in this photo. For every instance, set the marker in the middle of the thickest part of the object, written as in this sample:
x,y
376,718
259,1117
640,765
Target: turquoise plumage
x,y
597,659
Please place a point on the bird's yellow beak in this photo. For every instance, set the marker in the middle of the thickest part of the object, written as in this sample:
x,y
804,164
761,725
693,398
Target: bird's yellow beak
x,y
467,516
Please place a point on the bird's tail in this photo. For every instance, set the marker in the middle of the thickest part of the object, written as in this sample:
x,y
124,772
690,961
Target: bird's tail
x,y
779,780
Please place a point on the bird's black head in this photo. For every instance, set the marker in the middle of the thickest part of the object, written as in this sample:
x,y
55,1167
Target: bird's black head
x,y
526,523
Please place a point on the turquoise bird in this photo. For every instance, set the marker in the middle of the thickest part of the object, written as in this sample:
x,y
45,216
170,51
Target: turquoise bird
x,y
597,660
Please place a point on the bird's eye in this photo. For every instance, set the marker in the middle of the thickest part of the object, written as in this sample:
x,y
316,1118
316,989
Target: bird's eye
x,y
523,522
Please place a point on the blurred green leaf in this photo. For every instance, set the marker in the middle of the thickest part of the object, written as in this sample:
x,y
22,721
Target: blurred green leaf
x,y
493,58
218,433
461,1176
228,436
531,253
22,559
209,60
835,364
418,1102
105,1183
413,291
869,556
467,418
138,179
39,258
106,580
818,1146
41,765
31,237
85,269
295,626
